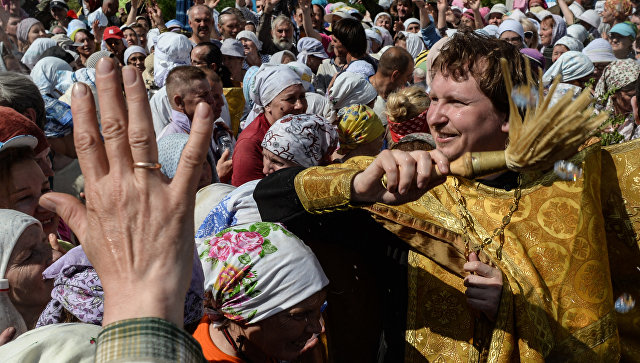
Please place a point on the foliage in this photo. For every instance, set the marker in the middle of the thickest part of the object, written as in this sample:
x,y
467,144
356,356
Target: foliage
x,y
607,132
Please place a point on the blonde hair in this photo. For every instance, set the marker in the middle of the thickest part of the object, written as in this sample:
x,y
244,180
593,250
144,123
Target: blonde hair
x,y
407,103
528,26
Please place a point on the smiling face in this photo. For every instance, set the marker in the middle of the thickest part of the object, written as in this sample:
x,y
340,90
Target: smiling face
x,y
291,101
558,50
288,334
137,60
621,45
201,22
131,37
28,183
546,31
31,255
88,44
36,31
384,21
249,46
461,118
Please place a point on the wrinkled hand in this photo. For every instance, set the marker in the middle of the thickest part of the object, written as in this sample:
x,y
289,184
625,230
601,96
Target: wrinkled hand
x,y
484,289
420,3
137,226
269,5
442,5
224,167
155,14
398,26
409,175
7,335
212,3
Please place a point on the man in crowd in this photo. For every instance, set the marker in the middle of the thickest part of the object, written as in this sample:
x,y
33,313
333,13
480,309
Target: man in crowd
x,y
201,22
277,35
114,38
394,71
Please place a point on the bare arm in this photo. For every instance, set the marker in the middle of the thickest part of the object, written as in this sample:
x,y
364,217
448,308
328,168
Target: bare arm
x,y
424,14
442,15
306,20
264,29
135,5
566,12
477,17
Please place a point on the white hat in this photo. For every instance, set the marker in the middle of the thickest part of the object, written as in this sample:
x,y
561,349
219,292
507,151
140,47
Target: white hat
x,y
344,15
498,8
590,17
232,48
249,35
372,34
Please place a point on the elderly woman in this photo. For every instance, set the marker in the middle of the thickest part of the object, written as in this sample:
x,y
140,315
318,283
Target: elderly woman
x,y
25,253
407,113
252,47
350,89
575,68
621,37
620,77
565,44
258,309
135,56
28,31
361,133
383,20
276,91
601,54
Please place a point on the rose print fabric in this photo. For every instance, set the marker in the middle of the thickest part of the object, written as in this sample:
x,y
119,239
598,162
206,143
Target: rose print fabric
x,y
253,271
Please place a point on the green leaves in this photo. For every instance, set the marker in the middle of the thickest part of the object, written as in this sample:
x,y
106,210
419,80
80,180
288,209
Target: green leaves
x,y
244,259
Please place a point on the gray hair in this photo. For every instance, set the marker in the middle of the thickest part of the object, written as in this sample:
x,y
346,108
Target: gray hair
x,y
193,8
420,73
18,91
281,19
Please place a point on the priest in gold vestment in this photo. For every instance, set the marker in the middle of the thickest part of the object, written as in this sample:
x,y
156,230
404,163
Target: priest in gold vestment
x,y
566,251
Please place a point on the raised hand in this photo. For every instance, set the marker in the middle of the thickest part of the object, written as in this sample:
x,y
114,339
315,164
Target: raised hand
x,y
137,225
408,176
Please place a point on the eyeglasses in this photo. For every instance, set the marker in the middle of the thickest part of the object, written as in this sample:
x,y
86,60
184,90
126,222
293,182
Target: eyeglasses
x,y
528,34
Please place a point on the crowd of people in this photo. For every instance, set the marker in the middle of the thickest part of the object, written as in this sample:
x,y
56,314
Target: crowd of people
x,y
279,181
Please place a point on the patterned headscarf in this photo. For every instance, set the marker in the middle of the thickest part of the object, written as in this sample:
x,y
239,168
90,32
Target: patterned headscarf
x,y
622,8
307,140
401,129
78,290
616,75
358,124
22,32
253,272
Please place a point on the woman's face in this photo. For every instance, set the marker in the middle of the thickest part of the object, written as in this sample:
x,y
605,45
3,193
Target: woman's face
x,y
137,60
291,101
621,45
36,31
546,32
249,47
28,184
622,99
131,37
290,333
607,16
272,162
558,50
384,21
88,44
31,255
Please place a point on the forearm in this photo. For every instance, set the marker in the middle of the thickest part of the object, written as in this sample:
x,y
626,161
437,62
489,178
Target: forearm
x,y
308,25
477,17
372,7
424,18
264,31
442,19
131,18
566,12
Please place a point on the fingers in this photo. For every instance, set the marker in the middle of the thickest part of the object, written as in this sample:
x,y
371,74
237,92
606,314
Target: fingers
x,y
482,269
141,134
86,136
53,242
114,116
473,257
194,153
407,166
69,209
441,161
388,163
224,156
7,335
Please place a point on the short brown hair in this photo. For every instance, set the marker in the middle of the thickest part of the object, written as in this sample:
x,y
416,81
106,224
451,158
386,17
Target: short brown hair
x,y
472,54
180,78
394,59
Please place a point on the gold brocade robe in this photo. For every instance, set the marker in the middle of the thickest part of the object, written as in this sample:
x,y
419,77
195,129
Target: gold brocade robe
x,y
570,250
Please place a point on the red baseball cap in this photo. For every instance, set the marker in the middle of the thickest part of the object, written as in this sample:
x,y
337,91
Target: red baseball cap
x,y
112,32
16,130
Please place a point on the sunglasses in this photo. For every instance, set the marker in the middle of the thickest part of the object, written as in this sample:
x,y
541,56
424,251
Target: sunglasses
x,y
528,34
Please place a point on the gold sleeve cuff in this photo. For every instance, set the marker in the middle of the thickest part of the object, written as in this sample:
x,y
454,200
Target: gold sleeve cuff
x,y
326,189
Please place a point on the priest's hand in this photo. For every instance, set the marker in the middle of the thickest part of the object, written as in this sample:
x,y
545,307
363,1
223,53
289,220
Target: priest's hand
x,y
408,176
484,288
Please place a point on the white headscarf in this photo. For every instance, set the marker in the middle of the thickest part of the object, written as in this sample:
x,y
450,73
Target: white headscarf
x,y
46,74
66,79
387,39
270,81
276,58
511,25
35,50
253,272
415,45
11,228
599,50
571,43
304,72
349,89
307,140
572,65
317,104
133,49
172,50
375,21
578,32
310,46
152,39
410,21
251,36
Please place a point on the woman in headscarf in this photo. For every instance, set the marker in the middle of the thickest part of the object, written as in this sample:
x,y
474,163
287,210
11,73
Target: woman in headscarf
x,y
252,50
172,50
575,68
46,76
531,37
601,54
25,253
564,45
618,81
350,89
621,37
407,113
282,57
360,131
302,140
135,56
258,309
28,31
33,54
414,44
552,28
77,295
383,20
276,91
616,11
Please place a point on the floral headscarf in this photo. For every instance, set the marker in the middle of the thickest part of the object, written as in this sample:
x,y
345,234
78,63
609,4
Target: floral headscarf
x,y
616,75
78,290
253,271
358,124
305,139
621,8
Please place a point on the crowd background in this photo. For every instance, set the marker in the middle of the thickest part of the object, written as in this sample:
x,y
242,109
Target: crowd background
x,y
219,193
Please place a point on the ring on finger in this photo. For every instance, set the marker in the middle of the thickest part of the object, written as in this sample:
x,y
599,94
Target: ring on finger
x,y
143,165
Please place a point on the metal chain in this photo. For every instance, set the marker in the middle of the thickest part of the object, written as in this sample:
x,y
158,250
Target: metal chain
x,y
467,221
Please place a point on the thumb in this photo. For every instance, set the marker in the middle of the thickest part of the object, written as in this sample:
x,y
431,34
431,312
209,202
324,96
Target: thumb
x,y
473,257
69,209
7,335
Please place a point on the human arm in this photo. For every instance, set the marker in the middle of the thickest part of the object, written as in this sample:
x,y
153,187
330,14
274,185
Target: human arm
x,y
155,14
305,5
264,28
443,6
428,30
372,7
484,286
424,14
131,17
566,12
477,17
